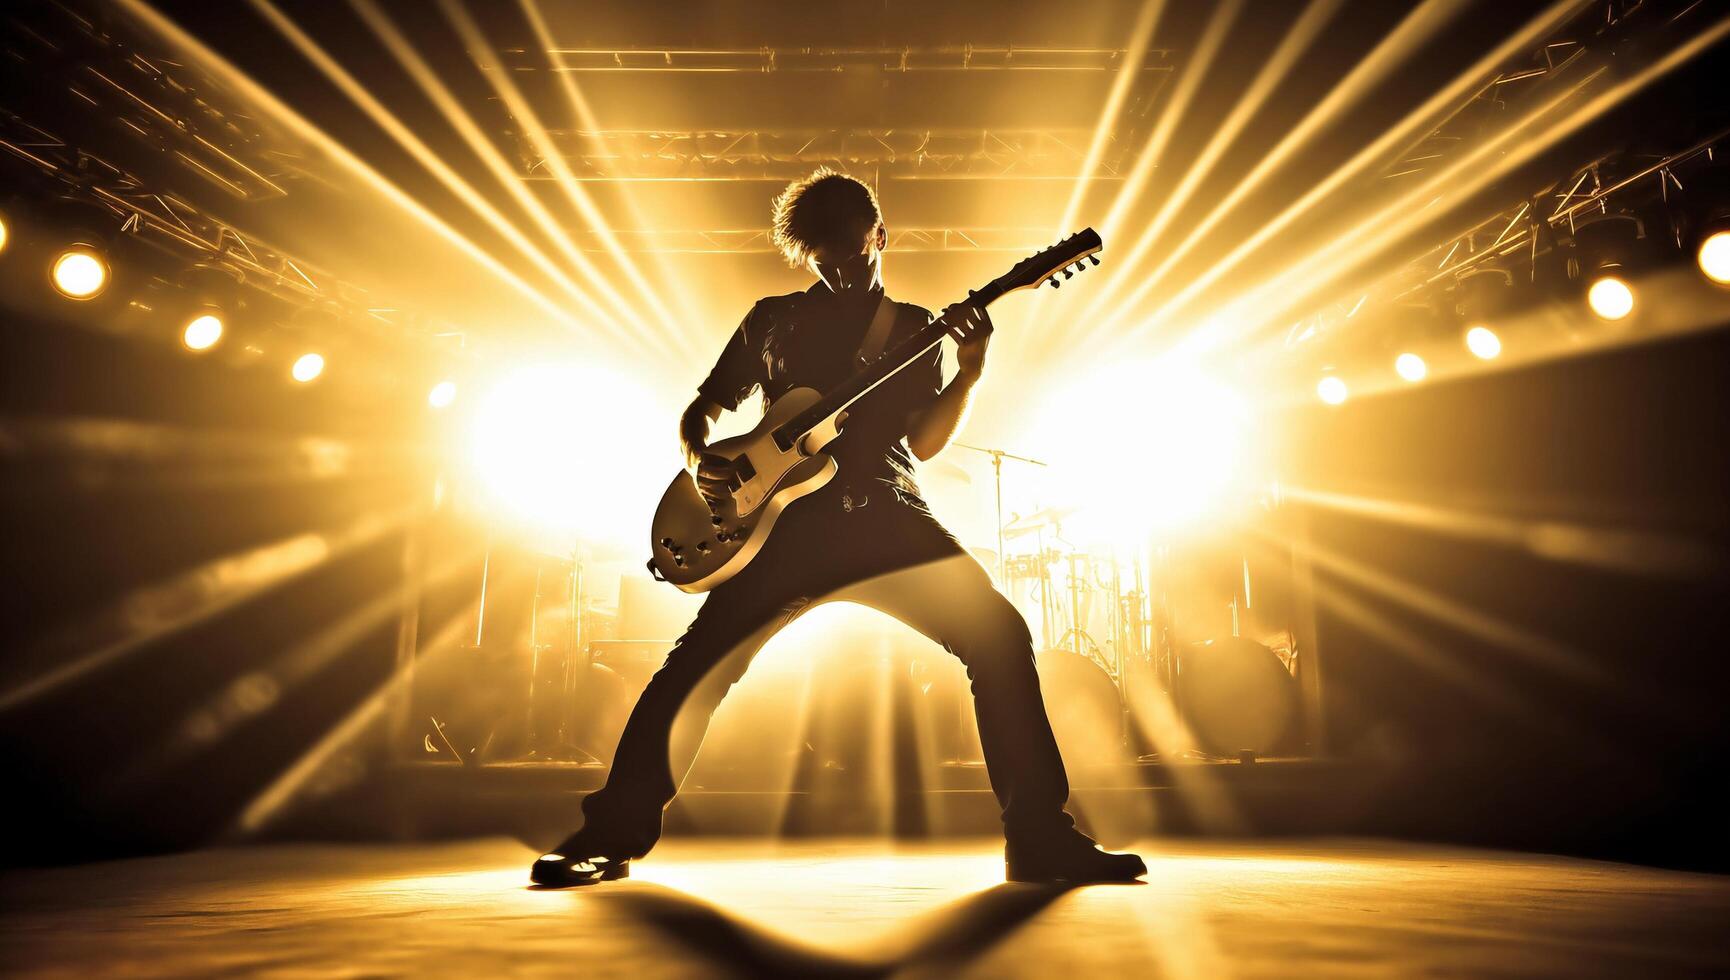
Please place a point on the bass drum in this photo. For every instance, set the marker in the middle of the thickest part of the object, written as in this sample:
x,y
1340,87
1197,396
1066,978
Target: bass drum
x,y
1236,696
1084,707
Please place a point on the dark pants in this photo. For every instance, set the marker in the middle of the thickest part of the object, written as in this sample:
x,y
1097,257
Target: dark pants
x,y
882,549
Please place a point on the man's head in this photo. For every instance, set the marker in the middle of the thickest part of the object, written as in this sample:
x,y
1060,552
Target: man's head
x,y
830,224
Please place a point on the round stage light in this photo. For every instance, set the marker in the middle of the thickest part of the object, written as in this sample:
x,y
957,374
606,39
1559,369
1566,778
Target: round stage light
x,y
1332,390
1610,298
1411,367
5,233
442,394
1483,343
1714,257
79,273
202,332
308,367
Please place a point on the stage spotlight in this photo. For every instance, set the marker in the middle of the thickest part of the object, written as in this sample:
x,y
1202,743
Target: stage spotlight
x,y
79,272
1483,343
520,421
202,332
1195,447
5,233
1411,367
1714,257
1610,298
442,394
309,367
1332,390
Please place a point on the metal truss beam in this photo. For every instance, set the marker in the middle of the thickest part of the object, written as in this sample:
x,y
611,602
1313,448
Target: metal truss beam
x,y
784,154
745,241
903,59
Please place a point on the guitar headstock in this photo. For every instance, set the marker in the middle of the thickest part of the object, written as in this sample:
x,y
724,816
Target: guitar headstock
x,y
1068,257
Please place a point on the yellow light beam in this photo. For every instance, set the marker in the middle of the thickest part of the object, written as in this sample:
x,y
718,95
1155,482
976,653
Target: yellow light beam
x,y
1292,45
585,114
177,603
1188,83
279,796
1141,39
257,94
1489,161
1394,50
433,162
525,114
460,120
1613,549
264,687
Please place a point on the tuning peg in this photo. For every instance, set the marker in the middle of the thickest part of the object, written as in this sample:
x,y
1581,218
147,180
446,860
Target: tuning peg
x,y
1093,259
1067,274
1054,283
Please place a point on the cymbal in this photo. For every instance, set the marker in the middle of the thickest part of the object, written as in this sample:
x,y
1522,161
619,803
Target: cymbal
x,y
1037,521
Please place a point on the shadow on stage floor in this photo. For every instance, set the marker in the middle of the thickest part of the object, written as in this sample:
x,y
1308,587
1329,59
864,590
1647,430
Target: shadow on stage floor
x,y
944,945
863,908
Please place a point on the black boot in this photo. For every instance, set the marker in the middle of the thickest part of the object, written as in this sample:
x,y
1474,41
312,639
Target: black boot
x,y
577,862
1070,856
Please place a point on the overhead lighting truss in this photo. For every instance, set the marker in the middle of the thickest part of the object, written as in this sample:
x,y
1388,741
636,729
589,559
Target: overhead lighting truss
x,y
780,155
768,60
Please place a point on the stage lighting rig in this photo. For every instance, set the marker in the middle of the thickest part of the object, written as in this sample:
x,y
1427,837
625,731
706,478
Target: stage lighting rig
x,y
213,300
1484,343
1713,257
307,368
1482,299
1332,390
1606,250
1411,367
84,234
442,394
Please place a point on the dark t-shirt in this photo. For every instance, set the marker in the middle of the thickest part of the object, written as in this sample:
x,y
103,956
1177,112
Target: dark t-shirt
x,y
811,340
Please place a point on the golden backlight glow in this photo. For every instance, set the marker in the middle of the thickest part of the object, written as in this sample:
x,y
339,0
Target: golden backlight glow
x,y
1141,446
202,332
572,448
79,273
5,233
1610,298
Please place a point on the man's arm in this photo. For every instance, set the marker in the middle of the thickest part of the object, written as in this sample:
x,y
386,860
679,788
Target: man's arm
x,y
931,428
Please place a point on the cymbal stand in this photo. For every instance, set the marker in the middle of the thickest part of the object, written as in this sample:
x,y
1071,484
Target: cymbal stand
x,y
997,458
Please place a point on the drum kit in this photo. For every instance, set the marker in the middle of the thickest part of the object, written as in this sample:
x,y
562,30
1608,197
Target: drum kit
x,y
1116,633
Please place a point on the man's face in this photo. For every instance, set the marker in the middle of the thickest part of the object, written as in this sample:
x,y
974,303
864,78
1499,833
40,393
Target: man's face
x,y
844,270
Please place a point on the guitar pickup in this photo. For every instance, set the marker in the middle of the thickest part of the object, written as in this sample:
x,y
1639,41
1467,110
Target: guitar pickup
x,y
743,472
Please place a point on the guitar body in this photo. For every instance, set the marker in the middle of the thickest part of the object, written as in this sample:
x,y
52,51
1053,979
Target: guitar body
x,y
696,548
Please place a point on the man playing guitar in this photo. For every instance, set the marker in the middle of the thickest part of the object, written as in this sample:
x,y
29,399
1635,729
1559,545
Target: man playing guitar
x,y
867,536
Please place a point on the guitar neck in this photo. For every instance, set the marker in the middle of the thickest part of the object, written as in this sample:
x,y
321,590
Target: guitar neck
x,y
859,385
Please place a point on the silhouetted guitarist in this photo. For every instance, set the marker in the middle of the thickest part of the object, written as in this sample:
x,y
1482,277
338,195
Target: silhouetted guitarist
x,y
867,535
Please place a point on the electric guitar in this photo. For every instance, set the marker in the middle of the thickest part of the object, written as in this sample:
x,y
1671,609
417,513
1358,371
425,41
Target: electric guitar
x,y
697,547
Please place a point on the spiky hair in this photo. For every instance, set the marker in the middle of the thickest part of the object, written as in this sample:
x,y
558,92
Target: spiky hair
x,y
826,209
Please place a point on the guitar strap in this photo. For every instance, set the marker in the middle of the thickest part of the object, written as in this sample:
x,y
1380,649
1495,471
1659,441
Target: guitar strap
x,y
877,335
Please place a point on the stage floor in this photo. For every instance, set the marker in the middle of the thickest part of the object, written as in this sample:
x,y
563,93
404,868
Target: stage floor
x,y
863,908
